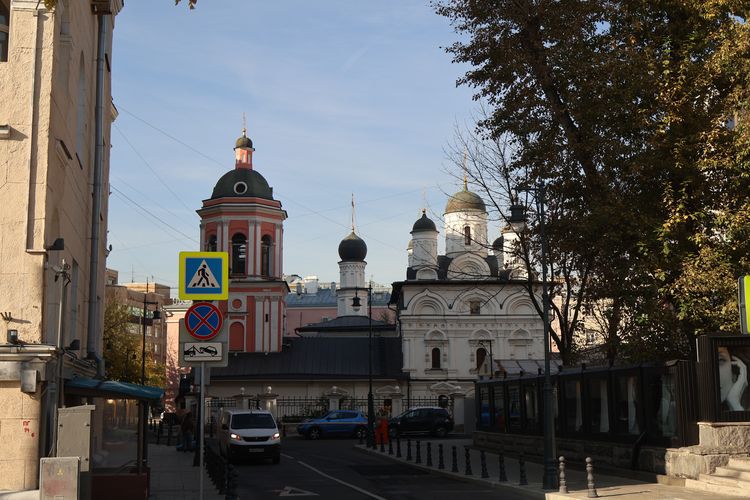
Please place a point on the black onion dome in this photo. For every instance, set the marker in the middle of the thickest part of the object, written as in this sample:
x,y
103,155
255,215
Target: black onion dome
x,y
498,243
465,200
242,182
243,142
353,248
423,224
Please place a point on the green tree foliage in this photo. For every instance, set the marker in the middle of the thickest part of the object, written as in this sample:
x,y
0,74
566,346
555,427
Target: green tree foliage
x,y
633,114
123,342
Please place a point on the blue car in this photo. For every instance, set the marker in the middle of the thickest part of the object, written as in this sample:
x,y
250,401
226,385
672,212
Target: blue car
x,y
335,423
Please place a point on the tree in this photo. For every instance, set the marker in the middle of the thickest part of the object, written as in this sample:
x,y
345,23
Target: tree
x,y
622,109
123,348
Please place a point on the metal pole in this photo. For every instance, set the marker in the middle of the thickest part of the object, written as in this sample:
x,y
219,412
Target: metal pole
x,y
200,425
370,402
62,275
549,480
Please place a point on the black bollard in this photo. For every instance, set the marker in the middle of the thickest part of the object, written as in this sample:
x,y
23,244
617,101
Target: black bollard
x,y
429,454
483,460
419,453
454,467
361,436
441,464
522,471
467,456
563,484
398,447
390,446
501,476
169,434
590,478
382,445
159,431
408,450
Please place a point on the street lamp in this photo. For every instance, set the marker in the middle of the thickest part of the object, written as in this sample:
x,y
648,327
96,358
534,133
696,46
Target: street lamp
x,y
142,454
356,303
517,222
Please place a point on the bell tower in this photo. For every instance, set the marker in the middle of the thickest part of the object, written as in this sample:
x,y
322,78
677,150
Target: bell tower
x,y
242,218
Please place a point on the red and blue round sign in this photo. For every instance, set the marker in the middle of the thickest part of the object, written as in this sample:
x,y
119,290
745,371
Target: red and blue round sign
x,y
203,321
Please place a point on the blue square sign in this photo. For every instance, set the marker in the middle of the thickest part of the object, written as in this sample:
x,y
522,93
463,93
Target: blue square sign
x,y
204,276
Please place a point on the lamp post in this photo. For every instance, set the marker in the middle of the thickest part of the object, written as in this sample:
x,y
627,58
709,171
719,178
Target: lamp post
x,y
142,453
517,221
370,403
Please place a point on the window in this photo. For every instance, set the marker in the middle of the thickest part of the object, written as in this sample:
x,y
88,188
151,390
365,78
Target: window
x,y
211,245
481,356
435,358
265,256
475,307
4,29
467,235
239,254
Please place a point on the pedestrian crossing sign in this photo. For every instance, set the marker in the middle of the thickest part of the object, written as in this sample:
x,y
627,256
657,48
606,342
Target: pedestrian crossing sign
x,y
204,276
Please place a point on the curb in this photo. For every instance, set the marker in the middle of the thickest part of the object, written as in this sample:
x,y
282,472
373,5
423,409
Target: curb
x,y
533,490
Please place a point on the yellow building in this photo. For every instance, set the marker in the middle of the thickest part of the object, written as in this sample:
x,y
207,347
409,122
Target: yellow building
x,y
55,116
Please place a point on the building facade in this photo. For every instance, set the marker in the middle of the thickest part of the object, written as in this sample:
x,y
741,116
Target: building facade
x,y
243,219
467,313
133,296
55,120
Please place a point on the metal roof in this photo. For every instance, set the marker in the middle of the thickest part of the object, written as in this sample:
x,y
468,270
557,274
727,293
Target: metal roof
x,y
347,324
112,389
318,358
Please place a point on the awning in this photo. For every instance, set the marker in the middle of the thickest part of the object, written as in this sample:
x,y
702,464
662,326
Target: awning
x,y
112,389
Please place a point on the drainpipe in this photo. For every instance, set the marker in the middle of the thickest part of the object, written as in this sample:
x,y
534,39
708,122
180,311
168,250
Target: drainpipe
x,y
94,301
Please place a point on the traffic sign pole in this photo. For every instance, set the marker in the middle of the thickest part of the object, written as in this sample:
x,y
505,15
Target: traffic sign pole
x,y
202,420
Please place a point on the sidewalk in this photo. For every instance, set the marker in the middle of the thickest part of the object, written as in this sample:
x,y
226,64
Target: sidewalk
x,y
606,485
173,476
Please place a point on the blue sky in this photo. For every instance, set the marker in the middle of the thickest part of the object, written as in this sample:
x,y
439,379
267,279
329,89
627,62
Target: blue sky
x,y
341,97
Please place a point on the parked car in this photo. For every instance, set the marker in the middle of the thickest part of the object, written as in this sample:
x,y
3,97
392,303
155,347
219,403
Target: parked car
x,y
335,423
433,420
249,433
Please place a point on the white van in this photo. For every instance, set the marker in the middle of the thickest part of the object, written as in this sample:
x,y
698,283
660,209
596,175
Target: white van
x,y
249,433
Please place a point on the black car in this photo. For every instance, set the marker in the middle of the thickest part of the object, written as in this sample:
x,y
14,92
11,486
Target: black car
x,y
435,421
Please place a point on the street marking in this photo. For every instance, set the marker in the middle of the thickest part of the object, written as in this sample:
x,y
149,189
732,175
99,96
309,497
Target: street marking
x,y
290,491
356,488
288,456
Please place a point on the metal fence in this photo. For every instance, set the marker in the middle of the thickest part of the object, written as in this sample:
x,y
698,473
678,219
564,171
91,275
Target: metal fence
x,y
441,401
296,408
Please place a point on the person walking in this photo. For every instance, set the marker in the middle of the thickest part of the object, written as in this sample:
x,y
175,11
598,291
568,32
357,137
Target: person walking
x,y
187,429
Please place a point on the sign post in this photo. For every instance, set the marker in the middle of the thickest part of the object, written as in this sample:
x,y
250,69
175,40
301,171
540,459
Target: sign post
x,y
203,276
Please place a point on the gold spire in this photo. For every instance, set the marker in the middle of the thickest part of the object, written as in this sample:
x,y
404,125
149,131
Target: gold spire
x,y
352,212
244,124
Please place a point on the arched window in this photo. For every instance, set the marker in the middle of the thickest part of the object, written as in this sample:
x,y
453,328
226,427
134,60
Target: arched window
x,y
211,244
435,358
467,235
481,356
4,29
265,256
239,255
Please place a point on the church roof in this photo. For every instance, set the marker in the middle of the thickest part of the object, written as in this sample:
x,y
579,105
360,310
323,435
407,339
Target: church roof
x,y
353,248
310,358
243,142
347,324
424,223
465,200
242,183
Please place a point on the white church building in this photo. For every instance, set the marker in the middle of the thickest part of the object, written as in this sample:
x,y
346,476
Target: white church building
x,y
466,313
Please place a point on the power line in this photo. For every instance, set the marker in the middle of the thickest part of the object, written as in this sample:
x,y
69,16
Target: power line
x,y
147,212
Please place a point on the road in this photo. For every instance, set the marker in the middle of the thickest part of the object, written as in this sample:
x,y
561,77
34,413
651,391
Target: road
x,y
333,469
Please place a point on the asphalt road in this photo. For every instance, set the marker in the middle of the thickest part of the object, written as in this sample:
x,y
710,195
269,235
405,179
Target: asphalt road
x,y
333,469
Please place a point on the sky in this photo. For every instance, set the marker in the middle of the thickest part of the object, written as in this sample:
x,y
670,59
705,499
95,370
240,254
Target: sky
x,y
341,98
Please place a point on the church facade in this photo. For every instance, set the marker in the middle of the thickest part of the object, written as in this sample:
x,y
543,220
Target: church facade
x,y
467,313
